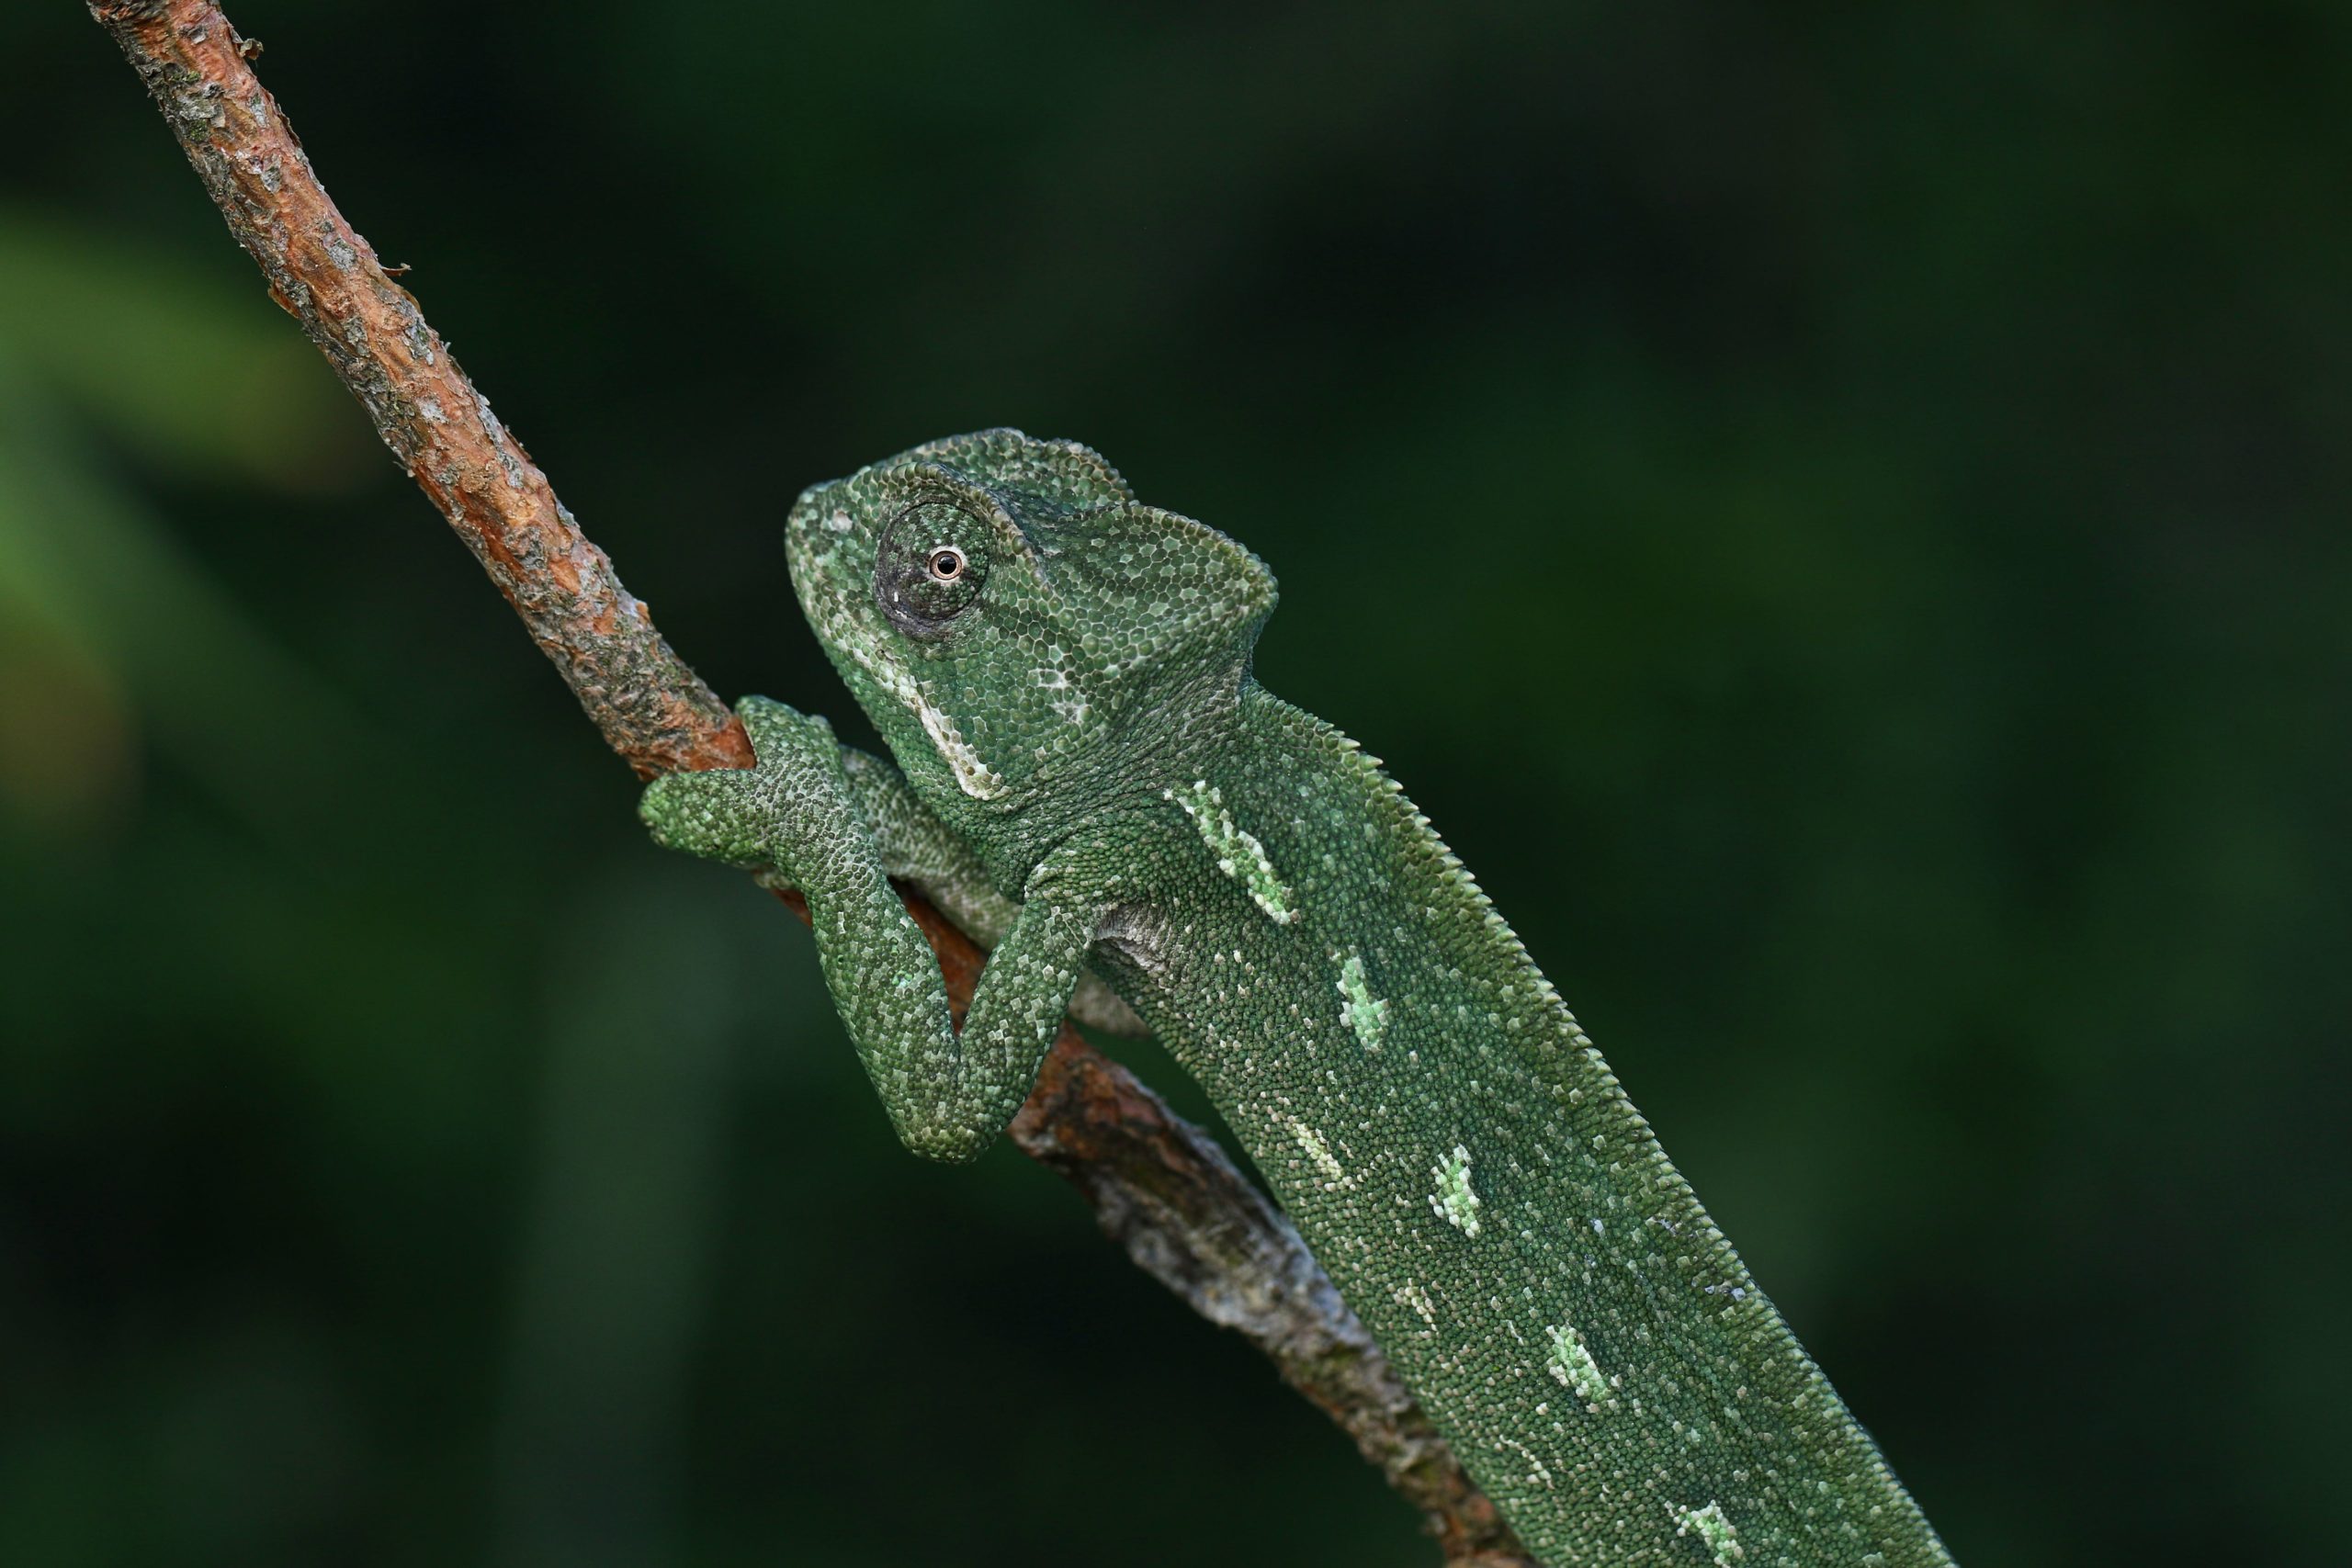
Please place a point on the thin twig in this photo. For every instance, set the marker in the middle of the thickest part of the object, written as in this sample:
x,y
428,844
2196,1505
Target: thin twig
x,y
1157,1184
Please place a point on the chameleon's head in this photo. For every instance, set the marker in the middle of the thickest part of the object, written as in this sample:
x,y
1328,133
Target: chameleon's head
x,y
1001,605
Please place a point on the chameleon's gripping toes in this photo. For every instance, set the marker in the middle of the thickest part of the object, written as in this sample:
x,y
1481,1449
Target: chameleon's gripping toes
x,y
1092,778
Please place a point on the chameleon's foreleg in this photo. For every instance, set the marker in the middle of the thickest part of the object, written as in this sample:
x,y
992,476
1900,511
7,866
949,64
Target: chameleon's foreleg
x,y
918,849
947,1095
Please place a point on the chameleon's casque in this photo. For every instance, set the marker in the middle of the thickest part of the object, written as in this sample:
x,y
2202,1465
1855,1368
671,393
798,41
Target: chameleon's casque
x,y
1092,779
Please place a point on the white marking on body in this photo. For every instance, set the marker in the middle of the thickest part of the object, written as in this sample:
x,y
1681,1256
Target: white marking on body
x,y
1454,1202
1240,854
1073,708
1535,1471
973,776
1713,1529
1316,1149
1572,1365
1412,1295
1359,1009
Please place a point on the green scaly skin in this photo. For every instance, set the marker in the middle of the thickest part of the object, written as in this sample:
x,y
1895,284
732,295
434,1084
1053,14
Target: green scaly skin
x,y
1092,777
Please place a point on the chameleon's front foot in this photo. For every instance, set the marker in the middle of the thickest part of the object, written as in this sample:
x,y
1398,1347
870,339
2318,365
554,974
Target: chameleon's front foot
x,y
741,816
794,813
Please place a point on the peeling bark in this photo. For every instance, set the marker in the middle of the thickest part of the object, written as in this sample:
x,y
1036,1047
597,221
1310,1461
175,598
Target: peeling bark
x,y
1158,1185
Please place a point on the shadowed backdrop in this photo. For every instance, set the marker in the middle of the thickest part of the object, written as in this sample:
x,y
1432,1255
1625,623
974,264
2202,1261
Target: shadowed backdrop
x,y
1838,517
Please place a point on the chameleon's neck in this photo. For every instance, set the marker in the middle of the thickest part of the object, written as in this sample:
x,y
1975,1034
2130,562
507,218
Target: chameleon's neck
x,y
1178,732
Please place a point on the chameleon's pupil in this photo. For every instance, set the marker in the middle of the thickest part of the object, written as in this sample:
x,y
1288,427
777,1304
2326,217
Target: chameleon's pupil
x,y
947,565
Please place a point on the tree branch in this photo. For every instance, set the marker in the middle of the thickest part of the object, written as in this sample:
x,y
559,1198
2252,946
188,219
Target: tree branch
x,y
1157,1184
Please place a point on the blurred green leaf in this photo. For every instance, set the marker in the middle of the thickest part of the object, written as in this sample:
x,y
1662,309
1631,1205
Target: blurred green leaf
x,y
181,373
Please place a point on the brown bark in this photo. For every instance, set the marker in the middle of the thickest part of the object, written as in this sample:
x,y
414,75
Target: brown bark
x,y
1159,1185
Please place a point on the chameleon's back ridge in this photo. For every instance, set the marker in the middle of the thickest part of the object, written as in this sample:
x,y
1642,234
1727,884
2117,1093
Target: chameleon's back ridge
x,y
1091,779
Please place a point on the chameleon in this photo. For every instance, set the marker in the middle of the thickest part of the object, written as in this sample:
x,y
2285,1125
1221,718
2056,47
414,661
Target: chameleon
x,y
1091,781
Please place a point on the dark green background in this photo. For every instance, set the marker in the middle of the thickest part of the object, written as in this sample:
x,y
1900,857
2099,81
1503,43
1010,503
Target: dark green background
x,y
1838,513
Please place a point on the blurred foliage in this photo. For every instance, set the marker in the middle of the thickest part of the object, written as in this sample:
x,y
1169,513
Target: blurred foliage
x,y
1837,514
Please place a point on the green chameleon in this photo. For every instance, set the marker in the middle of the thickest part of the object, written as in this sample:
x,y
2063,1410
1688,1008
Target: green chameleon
x,y
1096,788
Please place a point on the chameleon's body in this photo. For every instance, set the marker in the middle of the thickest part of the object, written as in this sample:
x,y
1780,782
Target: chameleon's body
x,y
1092,779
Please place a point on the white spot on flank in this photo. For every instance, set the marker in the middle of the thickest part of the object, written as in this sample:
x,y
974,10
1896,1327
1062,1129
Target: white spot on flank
x,y
1454,1202
1412,1295
1316,1149
1713,1529
1359,1009
1574,1367
1239,853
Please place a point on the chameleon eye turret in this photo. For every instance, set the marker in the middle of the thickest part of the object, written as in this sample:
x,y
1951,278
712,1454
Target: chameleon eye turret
x,y
931,567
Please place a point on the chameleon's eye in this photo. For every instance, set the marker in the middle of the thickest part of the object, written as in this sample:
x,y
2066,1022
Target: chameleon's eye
x,y
934,560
